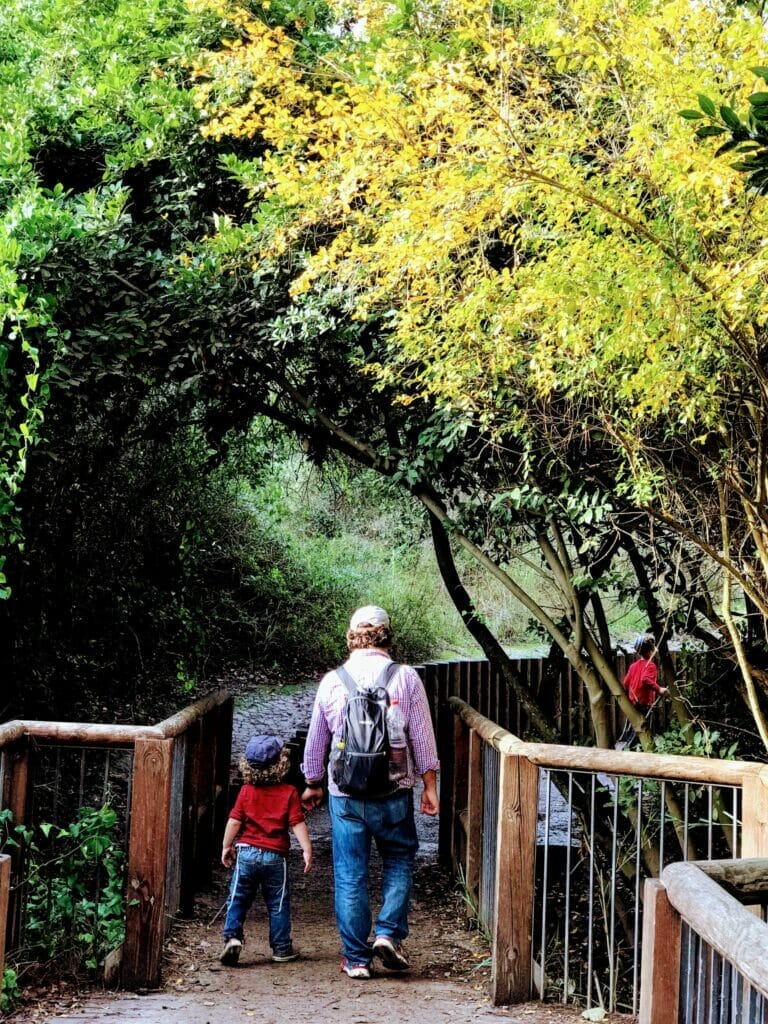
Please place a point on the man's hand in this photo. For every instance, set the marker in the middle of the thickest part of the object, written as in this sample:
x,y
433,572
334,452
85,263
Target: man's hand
x,y
228,857
312,797
430,802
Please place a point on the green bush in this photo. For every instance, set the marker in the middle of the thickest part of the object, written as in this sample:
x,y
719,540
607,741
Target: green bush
x,y
10,993
74,888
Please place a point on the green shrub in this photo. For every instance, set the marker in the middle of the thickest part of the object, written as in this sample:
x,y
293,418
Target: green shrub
x,y
74,888
10,993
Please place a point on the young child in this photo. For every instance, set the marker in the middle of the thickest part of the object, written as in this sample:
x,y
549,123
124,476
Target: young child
x,y
257,842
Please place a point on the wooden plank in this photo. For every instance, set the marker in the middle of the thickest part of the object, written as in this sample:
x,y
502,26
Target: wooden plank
x,y
474,816
722,922
660,973
515,869
5,887
147,860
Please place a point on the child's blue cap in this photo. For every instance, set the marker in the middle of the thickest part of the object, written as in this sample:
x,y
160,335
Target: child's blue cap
x,y
262,751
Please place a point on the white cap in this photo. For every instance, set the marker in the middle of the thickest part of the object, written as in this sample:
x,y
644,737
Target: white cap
x,y
369,615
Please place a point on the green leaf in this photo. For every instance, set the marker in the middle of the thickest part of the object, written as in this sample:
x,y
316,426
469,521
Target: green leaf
x,y
758,99
730,117
691,115
706,105
761,72
708,130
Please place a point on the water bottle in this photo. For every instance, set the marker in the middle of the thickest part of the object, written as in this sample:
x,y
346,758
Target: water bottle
x,y
398,749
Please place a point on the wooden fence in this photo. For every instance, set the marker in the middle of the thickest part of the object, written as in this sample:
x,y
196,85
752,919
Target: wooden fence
x,y
704,952
171,783
493,789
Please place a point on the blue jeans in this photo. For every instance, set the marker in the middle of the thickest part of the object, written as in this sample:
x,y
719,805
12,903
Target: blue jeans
x,y
266,870
354,823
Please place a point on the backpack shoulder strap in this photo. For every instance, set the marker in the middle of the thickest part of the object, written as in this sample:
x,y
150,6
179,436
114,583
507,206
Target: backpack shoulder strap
x,y
386,674
347,680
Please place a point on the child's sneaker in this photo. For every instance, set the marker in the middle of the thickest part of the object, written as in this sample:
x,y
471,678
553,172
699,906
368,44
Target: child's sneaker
x,y
286,957
355,970
231,952
392,954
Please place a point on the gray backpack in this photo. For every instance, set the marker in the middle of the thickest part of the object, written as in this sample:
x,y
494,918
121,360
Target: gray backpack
x,y
360,761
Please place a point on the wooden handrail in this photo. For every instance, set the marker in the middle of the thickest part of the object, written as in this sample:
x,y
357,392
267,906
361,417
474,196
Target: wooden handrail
x,y
10,732
99,734
611,762
727,927
89,734
745,880
181,721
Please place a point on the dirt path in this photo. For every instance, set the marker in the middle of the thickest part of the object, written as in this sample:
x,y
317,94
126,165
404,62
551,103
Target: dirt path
x,y
448,981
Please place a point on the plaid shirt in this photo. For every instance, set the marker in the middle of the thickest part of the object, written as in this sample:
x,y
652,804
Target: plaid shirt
x,y
328,714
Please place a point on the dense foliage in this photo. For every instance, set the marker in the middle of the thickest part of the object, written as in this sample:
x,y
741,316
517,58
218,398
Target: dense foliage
x,y
561,286
473,248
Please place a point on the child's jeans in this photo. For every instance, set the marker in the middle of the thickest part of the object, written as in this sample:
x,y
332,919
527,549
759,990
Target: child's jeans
x,y
264,869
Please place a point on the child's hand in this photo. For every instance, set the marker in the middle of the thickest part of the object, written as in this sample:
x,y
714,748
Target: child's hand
x,y
307,861
312,797
228,857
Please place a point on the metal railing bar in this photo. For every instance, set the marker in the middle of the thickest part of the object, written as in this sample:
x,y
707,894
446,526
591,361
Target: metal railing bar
x,y
734,825
82,779
662,823
591,904
710,832
545,780
105,783
568,855
611,908
686,803
638,878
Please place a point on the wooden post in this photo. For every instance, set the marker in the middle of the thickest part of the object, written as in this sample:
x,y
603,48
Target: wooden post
x,y
444,729
515,874
459,797
660,972
5,887
148,847
474,816
754,833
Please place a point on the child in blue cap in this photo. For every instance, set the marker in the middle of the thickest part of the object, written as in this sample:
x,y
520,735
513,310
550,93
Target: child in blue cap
x,y
257,842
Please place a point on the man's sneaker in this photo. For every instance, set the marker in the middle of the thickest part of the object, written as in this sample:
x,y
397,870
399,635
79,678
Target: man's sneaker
x,y
284,958
231,952
355,970
392,954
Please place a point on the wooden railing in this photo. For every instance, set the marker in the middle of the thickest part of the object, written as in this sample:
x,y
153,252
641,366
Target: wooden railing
x,y
514,775
171,783
704,953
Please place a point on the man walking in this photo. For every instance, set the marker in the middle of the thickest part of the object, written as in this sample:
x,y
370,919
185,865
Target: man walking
x,y
357,819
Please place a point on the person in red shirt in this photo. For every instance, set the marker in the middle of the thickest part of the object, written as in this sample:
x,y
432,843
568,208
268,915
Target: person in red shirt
x,y
641,684
257,842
